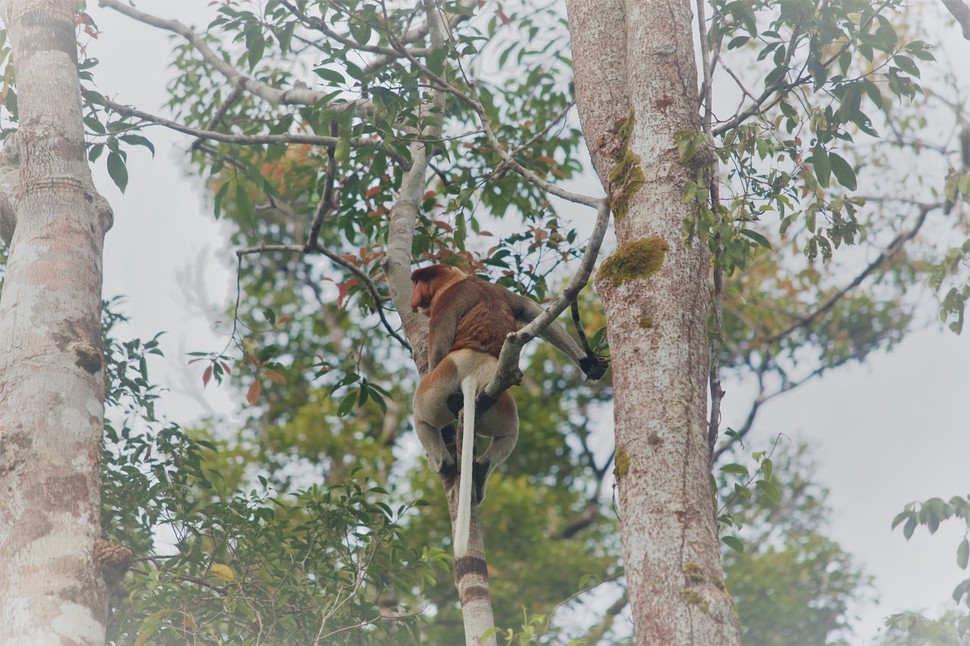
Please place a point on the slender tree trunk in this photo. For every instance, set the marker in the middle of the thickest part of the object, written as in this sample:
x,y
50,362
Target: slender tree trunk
x,y
51,361
636,86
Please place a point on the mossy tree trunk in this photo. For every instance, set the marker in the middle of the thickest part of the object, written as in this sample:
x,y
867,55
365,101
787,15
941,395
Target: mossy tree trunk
x,y
636,86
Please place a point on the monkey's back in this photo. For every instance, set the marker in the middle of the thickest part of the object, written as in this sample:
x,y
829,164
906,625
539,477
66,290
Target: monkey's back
x,y
486,318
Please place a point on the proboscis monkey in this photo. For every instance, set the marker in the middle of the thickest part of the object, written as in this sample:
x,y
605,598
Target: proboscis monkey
x,y
470,319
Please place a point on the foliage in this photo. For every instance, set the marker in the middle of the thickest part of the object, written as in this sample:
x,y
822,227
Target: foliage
x,y
223,564
914,629
955,627
790,583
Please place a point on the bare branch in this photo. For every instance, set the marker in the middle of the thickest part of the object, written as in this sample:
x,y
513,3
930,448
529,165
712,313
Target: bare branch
x,y
507,159
508,360
336,259
760,106
891,250
320,25
707,96
203,135
327,200
420,32
369,284
276,96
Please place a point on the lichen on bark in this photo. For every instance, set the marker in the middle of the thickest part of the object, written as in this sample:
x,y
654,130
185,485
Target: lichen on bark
x,y
632,260
626,178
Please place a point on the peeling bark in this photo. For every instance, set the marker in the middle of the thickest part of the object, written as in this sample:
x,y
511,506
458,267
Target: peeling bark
x,y
51,360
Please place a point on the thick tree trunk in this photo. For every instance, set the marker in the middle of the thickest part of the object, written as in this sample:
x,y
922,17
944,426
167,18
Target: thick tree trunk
x,y
636,87
51,362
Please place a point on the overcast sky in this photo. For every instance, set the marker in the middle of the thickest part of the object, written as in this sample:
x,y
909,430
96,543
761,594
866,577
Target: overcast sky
x,y
887,433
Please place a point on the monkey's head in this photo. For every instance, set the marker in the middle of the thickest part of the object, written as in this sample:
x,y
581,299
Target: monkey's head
x,y
429,281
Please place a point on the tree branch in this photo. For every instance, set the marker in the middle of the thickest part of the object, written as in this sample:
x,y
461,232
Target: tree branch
x,y
203,135
234,95
508,361
961,12
292,96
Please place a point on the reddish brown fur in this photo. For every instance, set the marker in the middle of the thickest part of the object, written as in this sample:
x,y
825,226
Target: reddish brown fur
x,y
485,325
466,312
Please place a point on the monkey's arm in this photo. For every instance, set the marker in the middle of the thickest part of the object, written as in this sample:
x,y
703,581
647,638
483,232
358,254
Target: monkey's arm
x,y
526,310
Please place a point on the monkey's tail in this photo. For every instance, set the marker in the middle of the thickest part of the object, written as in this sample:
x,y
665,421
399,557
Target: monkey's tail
x,y
469,389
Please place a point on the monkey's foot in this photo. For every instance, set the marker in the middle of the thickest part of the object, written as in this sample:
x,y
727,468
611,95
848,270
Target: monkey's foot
x,y
449,473
480,471
449,436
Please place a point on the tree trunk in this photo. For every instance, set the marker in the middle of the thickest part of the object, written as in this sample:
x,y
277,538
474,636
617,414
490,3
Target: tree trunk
x,y
51,361
636,86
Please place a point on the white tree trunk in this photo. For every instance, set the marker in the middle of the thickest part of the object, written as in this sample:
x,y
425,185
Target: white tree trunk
x,y
51,361
636,86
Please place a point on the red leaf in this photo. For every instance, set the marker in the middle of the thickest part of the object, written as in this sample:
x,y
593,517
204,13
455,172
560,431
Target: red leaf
x,y
344,289
252,395
206,376
275,377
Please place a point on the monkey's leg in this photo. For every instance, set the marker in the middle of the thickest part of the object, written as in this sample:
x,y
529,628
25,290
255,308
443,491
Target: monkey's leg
x,y
431,414
501,423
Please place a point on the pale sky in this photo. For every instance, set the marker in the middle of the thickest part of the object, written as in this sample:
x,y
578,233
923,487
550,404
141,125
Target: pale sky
x,y
886,433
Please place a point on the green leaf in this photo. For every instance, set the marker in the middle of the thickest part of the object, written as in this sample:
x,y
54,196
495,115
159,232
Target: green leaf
x,y
820,161
907,65
255,46
843,171
963,554
138,140
909,527
117,170
733,542
341,151
900,517
735,468
757,237
331,76
963,588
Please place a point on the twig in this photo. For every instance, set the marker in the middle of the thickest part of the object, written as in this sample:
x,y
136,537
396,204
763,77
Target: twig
x,y
220,112
327,202
704,37
369,284
318,248
893,248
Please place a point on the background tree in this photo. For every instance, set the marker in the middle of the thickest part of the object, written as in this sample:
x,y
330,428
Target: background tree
x,y
51,365
791,583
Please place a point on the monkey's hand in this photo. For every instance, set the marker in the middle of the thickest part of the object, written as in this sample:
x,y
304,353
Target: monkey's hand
x,y
594,367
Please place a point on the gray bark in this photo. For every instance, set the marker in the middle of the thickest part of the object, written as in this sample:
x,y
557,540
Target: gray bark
x,y
51,360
